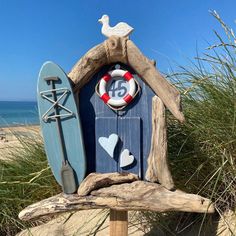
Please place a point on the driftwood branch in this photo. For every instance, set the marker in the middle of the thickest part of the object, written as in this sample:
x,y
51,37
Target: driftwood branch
x,y
88,65
138,195
110,51
117,49
158,170
162,88
95,181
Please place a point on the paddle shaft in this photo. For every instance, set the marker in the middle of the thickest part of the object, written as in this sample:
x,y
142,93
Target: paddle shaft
x,y
58,122
67,174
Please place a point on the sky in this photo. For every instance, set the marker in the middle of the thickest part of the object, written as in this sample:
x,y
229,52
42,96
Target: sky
x,y
62,31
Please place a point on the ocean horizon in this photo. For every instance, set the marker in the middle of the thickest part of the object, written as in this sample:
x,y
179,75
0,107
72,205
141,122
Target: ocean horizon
x,y
18,113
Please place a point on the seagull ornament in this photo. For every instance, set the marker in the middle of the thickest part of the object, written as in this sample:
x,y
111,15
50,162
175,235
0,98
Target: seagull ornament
x,y
121,29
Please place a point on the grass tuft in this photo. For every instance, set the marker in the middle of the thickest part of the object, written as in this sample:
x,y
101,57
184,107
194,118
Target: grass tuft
x,y
202,151
25,178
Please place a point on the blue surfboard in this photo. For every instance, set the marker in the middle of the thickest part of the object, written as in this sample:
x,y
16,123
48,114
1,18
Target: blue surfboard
x,y
69,122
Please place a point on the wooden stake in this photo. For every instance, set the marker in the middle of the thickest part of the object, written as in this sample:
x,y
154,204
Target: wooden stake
x,y
118,223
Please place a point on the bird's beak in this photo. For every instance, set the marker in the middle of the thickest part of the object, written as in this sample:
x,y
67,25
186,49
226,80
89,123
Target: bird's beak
x,y
100,20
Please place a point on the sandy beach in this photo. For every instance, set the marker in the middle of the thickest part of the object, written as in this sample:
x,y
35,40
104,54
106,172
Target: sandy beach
x,y
9,136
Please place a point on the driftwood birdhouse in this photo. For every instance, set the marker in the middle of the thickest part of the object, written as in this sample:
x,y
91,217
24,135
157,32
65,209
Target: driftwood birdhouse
x,y
121,99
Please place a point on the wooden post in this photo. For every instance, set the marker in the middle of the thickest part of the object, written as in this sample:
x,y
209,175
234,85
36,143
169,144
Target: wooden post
x,y
118,223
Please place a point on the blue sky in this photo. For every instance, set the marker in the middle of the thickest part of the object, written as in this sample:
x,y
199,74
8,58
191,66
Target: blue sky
x,y
32,32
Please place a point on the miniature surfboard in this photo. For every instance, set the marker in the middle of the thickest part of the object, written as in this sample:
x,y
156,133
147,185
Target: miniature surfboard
x,y
69,122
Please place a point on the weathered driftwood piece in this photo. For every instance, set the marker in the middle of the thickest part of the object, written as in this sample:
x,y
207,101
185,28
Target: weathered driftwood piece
x,y
116,49
88,65
96,180
138,195
158,170
162,88
110,51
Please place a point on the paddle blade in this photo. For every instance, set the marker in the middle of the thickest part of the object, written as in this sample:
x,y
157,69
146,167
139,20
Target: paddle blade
x,y
68,179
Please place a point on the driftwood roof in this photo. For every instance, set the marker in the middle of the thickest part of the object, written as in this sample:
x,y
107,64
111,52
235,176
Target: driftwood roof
x,y
117,49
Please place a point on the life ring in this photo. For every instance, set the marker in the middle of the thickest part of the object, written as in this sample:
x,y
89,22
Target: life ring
x,y
113,74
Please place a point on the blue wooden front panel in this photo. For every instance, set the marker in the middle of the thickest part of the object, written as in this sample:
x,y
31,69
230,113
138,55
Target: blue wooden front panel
x,y
104,128
142,107
91,106
129,132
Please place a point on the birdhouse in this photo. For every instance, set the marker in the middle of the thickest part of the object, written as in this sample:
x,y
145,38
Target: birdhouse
x,y
110,130
122,99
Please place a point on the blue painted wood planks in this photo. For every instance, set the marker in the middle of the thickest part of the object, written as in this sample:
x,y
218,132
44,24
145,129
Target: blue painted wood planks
x,y
128,131
70,122
103,161
133,124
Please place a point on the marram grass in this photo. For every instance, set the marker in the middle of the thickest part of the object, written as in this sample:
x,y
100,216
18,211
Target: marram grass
x,y
25,178
207,141
202,151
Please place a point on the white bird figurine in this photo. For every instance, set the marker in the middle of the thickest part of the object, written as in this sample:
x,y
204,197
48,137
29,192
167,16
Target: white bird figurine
x,y
121,29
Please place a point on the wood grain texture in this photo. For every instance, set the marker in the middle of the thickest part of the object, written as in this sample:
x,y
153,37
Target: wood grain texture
x,y
88,65
138,195
96,180
162,88
92,107
118,223
120,49
71,129
158,170
129,131
104,127
110,51
137,115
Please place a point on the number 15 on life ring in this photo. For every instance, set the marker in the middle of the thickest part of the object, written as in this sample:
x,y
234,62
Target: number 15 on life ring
x,y
127,97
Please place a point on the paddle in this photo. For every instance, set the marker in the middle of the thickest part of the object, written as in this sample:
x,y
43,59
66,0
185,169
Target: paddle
x,y
67,173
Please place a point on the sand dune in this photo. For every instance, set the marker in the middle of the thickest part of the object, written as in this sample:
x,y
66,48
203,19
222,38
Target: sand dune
x,y
9,137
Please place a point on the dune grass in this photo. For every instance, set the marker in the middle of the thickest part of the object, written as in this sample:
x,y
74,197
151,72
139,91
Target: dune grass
x,y
24,179
202,151
207,152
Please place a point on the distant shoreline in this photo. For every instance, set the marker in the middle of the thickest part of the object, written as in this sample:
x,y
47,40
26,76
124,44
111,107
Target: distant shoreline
x,y
18,125
18,101
18,114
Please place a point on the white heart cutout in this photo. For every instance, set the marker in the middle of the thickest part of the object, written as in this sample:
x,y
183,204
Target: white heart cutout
x,y
126,159
109,144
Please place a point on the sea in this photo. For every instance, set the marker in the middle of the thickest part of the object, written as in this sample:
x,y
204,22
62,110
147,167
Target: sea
x,y
18,113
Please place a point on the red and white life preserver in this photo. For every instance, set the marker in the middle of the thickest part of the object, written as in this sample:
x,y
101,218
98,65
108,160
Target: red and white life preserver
x,y
116,74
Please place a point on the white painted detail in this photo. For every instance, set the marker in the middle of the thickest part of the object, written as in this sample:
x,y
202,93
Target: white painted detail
x,y
117,103
126,159
132,87
109,144
116,74
102,86
121,29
